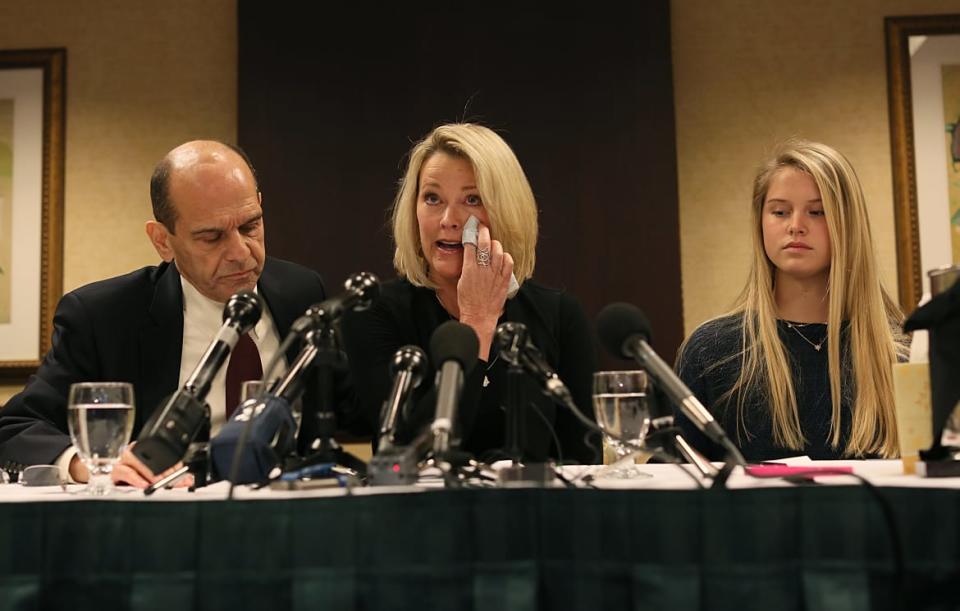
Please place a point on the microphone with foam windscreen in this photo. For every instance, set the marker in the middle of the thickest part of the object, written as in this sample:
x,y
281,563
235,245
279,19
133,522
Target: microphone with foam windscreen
x,y
168,433
252,444
624,331
406,368
453,348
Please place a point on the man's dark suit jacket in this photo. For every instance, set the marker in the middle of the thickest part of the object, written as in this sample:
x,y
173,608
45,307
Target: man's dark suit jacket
x,y
126,329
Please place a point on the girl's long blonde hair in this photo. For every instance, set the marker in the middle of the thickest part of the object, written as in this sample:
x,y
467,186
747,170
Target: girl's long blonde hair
x,y
855,295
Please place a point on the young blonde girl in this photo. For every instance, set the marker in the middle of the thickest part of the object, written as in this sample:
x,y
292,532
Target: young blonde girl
x,y
803,362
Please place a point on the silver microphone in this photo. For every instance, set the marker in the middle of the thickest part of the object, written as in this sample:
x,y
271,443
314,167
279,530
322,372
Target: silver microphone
x,y
407,368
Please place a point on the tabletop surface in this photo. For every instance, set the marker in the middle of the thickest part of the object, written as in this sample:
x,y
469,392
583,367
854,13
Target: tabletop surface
x,y
883,473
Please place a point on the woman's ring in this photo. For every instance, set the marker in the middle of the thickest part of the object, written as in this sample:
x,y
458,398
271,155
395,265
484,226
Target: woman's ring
x,y
483,257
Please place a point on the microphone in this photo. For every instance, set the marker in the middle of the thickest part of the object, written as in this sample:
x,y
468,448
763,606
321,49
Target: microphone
x,y
168,433
516,348
395,465
624,331
454,348
407,368
361,290
261,432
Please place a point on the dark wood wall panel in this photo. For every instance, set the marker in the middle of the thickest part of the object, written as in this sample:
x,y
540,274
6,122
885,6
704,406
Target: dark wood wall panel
x,y
331,99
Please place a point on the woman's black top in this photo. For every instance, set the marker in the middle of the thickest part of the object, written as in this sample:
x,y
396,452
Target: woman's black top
x,y
710,365
405,314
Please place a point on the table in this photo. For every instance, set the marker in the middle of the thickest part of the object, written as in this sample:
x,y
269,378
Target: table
x,y
658,545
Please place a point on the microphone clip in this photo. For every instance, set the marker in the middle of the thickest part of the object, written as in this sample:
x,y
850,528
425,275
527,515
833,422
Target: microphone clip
x,y
184,416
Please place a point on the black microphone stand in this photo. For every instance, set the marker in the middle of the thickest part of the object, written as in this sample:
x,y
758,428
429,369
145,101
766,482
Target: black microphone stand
x,y
515,431
518,473
319,421
663,434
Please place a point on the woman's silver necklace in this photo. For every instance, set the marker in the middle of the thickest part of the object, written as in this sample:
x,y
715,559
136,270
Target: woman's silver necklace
x,y
795,326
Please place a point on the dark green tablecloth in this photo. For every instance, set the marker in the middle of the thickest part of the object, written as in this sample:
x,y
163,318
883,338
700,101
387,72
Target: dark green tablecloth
x,y
785,548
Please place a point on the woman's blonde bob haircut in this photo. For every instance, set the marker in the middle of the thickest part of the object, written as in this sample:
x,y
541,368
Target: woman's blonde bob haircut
x,y
856,297
503,187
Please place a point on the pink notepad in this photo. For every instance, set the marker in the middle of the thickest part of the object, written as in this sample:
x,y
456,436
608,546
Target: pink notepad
x,y
794,471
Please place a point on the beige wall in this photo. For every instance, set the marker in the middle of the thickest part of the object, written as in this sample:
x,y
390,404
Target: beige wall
x,y
748,73
142,77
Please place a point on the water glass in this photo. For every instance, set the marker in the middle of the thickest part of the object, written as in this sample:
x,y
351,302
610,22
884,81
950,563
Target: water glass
x,y
250,389
100,418
622,410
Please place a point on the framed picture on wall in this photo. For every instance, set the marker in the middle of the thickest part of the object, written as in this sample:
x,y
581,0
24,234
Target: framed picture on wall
x,y
32,103
923,79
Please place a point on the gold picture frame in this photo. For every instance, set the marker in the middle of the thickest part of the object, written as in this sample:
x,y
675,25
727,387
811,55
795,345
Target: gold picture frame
x,y
33,83
900,89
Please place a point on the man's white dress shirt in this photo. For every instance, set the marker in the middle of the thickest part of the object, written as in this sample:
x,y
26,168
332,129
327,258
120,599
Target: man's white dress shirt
x,y
202,319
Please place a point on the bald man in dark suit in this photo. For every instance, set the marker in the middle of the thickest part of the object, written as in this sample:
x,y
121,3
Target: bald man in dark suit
x,y
149,327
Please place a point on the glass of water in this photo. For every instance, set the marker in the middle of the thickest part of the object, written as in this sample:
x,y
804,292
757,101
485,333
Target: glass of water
x,y
251,389
100,417
620,404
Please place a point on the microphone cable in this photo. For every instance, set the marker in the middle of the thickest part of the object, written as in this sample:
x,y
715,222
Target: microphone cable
x,y
553,433
558,472
805,478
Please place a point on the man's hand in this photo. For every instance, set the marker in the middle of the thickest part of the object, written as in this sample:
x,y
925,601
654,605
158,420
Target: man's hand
x,y
78,470
129,470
